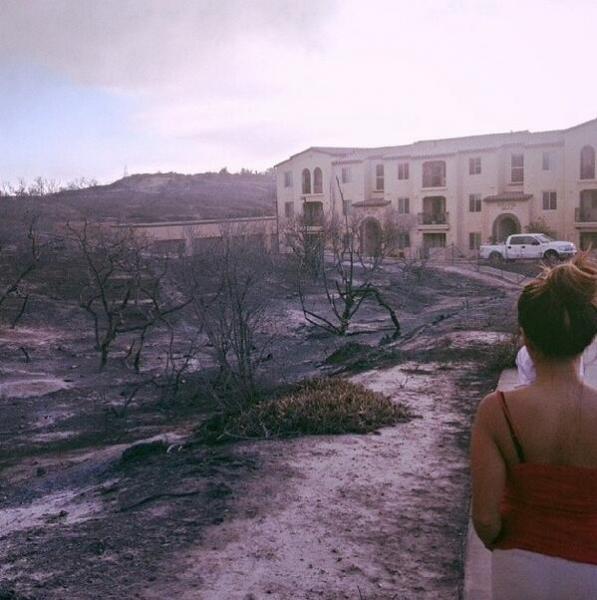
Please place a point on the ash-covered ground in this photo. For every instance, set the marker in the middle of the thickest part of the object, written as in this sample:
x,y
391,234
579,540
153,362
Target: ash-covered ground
x,y
84,516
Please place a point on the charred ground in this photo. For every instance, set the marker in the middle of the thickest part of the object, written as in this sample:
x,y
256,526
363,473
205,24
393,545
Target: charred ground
x,y
84,516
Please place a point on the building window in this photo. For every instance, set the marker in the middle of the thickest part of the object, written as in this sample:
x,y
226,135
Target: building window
x,y
474,240
287,179
403,171
404,206
587,163
474,166
474,203
588,206
346,175
346,206
550,200
313,214
379,178
547,161
317,181
306,181
517,168
289,210
434,173
403,240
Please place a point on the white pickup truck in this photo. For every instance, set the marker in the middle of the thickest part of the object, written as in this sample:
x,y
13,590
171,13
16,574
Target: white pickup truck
x,y
528,245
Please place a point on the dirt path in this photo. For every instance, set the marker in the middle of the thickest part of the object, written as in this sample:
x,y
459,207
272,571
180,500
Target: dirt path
x,y
381,515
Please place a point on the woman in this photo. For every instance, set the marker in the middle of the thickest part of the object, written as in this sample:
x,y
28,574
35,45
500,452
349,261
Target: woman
x,y
534,450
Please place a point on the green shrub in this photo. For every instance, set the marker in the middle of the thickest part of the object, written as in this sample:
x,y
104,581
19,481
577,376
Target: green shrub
x,y
317,407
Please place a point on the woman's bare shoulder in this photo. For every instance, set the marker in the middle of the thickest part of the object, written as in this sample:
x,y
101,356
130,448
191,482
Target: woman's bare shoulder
x,y
488,408
491,410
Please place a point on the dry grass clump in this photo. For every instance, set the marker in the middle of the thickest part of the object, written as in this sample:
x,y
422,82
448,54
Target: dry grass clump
x,y
317,407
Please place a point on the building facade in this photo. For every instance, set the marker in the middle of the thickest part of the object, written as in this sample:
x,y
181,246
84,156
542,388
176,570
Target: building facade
x,y
453,193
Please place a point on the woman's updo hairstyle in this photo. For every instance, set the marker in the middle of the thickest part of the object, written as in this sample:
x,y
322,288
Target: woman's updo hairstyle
x,y
558,310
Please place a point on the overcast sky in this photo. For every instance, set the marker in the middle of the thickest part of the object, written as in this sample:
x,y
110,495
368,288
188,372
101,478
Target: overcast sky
x,y
88,86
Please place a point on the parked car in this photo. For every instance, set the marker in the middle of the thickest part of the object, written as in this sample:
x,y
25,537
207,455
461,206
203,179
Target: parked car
x,y
528,246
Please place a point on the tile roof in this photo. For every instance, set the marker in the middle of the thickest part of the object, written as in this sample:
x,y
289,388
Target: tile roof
x,y
508,197
371,203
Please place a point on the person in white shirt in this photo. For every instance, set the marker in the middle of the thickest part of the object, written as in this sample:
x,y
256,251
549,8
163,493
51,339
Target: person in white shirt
x,y
526,368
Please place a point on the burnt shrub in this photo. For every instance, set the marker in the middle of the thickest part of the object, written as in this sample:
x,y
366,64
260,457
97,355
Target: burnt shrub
x,y
346,353
139,451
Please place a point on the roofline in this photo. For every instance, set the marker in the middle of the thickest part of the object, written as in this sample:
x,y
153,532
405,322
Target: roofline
x,y
339,152
468,137
375,151
348,161
315,149
431,154
580,124
195,222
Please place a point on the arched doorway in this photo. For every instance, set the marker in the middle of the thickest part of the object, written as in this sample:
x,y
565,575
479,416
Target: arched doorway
x,y
505,225
370,237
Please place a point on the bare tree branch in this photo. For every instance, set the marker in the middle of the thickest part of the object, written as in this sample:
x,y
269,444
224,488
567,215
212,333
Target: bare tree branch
x,y
347,273
124,288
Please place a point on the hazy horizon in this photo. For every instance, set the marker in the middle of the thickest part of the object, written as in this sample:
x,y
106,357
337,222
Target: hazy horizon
x,y
193,86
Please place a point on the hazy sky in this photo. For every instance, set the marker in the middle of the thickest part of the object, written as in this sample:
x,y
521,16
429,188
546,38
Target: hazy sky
x,y
88,86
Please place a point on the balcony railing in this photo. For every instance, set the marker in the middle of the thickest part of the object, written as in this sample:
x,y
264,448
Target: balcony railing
x,y
313,220
313,230
435,181
585,215
313,214
433,218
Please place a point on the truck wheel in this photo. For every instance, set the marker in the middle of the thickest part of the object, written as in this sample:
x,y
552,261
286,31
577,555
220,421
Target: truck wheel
x,y
495,258
551,256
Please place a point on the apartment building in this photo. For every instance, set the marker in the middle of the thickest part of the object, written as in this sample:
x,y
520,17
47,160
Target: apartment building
x,y
451,193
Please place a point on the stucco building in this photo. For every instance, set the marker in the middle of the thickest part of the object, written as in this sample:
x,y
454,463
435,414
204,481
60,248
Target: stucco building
x,y
458,192
179,238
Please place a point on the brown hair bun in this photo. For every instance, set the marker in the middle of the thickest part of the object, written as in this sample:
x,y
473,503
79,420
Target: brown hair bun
x,y
558,310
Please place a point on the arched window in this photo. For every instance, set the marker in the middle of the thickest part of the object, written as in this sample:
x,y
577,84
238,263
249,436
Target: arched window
x,y
317,181
587,163
306,181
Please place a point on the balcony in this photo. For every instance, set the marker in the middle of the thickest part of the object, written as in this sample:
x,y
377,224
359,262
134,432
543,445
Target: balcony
x,y
313,216
434,182
312,197
313,229
434,221
585,217
372,203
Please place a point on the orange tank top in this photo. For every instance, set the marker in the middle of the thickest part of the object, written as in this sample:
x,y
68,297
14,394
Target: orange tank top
x,y
549,509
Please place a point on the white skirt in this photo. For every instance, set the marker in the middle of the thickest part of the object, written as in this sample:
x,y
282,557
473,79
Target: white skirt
x,y
522,575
